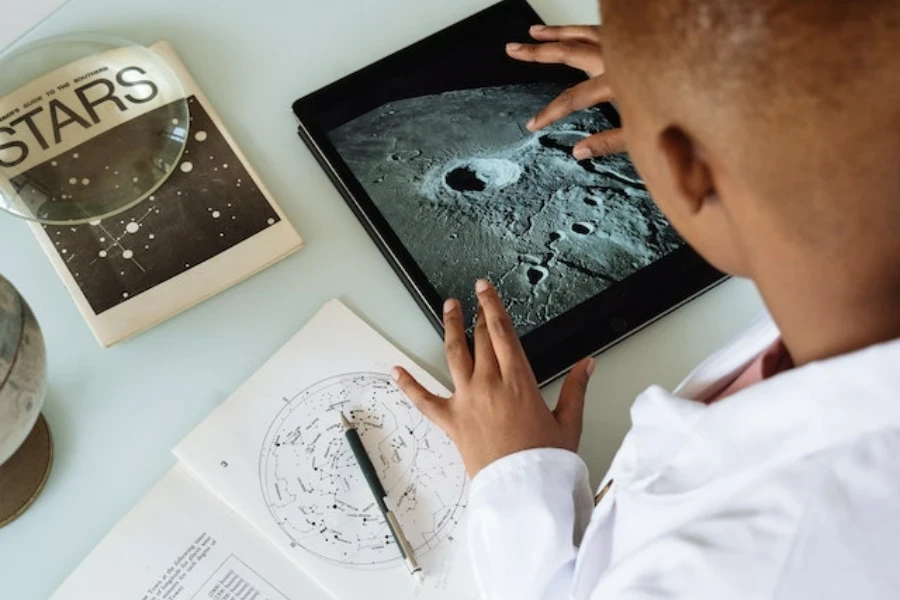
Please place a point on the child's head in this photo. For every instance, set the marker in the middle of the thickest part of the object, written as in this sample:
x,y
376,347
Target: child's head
x,y
767,130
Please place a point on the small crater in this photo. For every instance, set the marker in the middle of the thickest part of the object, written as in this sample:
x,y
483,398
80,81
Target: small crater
x,y
582,228
536,274
556,236
464,179
406,155
591,201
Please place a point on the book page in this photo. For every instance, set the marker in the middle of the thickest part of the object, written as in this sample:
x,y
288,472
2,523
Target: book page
x,y
275,452
180,543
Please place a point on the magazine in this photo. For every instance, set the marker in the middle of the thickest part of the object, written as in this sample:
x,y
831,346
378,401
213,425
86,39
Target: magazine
x,y
210,225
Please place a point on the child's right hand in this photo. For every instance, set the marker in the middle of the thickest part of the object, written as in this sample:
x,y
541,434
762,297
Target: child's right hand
x,y
580,47
497,408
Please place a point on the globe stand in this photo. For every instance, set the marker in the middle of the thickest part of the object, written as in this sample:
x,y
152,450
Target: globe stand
x,y
23,476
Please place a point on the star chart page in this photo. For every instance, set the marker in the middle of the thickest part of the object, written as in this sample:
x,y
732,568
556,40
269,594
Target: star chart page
x,y
275,452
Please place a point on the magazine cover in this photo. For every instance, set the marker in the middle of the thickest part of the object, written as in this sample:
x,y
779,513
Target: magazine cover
x,y
210,225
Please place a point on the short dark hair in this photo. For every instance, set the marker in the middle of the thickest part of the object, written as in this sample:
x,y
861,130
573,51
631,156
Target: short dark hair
x,y
817,80
772,47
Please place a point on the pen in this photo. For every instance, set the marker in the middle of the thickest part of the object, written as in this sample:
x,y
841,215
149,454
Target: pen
x,y
368,470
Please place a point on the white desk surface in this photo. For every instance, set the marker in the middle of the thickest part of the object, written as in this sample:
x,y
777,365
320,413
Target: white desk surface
x,y
17,18
116,413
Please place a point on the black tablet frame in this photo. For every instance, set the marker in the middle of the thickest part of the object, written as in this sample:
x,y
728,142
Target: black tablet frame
x,y
554,347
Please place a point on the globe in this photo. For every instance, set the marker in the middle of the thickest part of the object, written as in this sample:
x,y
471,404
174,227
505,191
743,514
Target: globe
x,y
24,438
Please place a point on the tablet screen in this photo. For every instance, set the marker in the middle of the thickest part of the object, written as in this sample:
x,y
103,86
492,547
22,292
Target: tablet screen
x,y
471,193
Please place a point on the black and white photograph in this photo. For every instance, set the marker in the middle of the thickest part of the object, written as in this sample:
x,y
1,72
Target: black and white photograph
x,y
208,205
437,140
471,193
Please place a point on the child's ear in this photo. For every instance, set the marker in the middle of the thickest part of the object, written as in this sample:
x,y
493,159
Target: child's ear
x,y
687,170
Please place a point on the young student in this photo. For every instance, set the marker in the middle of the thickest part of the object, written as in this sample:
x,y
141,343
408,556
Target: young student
x,y
768,132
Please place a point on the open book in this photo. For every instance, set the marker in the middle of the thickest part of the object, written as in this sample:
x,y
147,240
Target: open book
x,y
268,503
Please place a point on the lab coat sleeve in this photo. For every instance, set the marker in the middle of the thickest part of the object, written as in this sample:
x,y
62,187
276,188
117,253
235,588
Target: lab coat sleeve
x,y
527,515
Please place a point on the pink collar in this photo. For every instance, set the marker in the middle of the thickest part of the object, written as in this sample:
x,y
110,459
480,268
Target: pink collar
x,y
774,360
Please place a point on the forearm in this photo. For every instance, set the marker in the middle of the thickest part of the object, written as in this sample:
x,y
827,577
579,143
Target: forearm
x,y
527,514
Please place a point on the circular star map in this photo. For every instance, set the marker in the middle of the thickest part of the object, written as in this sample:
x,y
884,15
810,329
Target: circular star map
x,y
316,491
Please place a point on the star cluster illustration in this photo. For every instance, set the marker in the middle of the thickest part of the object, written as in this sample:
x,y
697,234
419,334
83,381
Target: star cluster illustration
x,y
209,204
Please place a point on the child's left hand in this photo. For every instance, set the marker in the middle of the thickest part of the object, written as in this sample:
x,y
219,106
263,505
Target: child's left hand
x,y
497,408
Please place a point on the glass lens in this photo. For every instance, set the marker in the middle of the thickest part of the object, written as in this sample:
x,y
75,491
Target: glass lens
x,y
89,127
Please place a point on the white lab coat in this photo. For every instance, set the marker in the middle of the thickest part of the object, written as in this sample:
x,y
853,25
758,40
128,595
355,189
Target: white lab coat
x,y
789,489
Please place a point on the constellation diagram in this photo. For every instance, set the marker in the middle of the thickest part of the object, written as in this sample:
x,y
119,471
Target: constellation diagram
x,y
207,206
317,494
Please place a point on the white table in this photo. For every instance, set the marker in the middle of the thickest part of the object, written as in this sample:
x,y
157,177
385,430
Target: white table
x,y
116,413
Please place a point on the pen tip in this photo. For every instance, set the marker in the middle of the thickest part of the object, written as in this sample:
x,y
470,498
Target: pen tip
x,y
344,422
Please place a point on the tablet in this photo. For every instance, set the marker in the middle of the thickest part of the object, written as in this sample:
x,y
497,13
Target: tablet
x,y
429,149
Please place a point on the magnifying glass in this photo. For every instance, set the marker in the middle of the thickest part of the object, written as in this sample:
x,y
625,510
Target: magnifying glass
x,y
90,126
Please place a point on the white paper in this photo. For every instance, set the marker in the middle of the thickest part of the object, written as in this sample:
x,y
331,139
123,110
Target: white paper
x,y
19,17
180,543
275,452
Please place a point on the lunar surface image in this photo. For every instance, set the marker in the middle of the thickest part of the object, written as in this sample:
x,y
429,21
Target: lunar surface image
x,y
471,193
